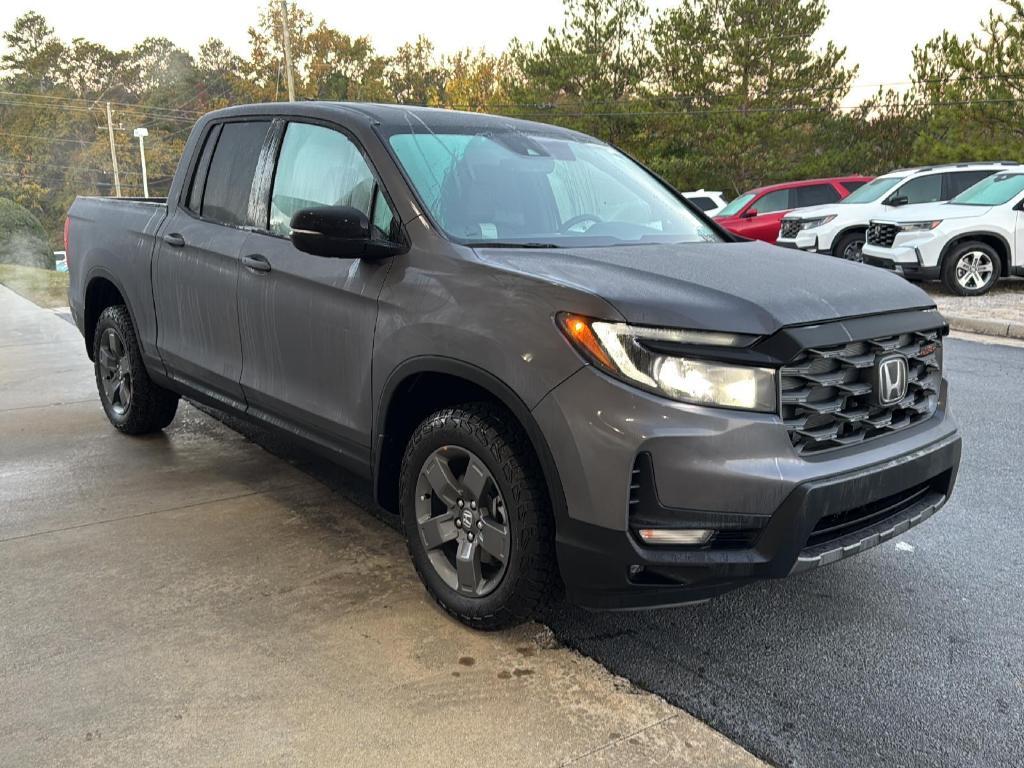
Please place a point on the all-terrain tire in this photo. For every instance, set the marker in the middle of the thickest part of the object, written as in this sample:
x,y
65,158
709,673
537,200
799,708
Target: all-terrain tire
x,y
530,578
149,407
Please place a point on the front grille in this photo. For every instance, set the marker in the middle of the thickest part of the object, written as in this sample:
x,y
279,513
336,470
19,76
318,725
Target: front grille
x,y
790,228
881,234
827,395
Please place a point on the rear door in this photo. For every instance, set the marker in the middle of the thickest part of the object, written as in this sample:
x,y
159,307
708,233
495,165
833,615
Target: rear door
x,y
195,278
307,321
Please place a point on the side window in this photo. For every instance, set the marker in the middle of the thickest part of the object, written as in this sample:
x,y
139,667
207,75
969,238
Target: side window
x,y
195,192
958,181
772,202
923,189
815,194
318,166
853,186
229,182
704,203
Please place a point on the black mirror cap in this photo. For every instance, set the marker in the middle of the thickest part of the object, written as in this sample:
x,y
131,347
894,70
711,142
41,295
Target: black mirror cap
x,y
338,231
897,201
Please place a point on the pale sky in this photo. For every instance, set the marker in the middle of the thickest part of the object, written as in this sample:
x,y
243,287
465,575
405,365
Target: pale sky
x,y
878,34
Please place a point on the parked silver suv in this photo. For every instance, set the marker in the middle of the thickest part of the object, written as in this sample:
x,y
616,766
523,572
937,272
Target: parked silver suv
x,y
555,369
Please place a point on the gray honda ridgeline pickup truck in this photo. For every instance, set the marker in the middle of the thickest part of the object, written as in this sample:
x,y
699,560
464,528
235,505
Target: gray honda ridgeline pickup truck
x,y
559,373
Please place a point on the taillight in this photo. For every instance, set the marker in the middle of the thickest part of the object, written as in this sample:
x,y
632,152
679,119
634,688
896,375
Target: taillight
x,y
67,252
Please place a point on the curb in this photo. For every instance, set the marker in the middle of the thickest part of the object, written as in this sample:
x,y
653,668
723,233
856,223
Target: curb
x,y
1002,328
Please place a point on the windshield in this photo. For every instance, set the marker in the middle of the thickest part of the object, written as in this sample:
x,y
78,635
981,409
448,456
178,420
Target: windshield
x,y
873,190
735,206
513,188
995,190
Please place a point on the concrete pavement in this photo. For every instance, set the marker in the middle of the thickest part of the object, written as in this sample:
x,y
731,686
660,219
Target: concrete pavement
x,y
189,599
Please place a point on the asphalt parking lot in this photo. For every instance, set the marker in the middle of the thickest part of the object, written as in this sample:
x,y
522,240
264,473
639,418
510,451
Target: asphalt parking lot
x,y
194,599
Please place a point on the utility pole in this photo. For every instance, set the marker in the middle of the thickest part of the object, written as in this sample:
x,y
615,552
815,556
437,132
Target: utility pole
x,y
113,153
287,50
141,134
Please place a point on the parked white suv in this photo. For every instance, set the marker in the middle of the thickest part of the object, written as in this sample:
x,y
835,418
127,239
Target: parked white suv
x,y
709,202
969,242
838,229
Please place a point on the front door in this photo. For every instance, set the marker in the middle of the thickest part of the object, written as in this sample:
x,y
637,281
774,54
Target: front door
x,y
768,211
195,274
307,321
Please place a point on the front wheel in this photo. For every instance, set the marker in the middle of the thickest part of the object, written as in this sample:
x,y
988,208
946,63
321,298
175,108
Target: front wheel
x,y
971,269
849,247
134,403
476,516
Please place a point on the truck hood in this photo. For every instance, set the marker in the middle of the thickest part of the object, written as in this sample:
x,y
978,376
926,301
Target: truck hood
x,y
748,287
929,211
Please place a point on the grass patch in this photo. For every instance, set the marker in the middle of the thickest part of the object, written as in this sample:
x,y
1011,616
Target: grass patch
x,y
46,287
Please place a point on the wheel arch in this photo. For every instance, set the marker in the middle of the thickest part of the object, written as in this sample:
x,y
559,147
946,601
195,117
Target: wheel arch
x,y
102,290
438,382
844,232
992,239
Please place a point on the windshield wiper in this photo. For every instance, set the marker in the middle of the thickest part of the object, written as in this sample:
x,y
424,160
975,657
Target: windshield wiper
x,y
500,244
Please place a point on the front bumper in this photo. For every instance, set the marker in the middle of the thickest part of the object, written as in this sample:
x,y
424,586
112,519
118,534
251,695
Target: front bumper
x,y
805,240
905,260
724,470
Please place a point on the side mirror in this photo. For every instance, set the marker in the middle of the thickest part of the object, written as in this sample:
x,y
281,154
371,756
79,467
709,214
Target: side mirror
x,y
337,231
896,201
749,213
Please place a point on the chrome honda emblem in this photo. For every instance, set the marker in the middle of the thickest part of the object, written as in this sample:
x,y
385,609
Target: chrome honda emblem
x,y
891,379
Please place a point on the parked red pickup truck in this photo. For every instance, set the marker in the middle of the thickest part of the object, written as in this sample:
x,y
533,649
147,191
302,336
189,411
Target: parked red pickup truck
x,y
757,214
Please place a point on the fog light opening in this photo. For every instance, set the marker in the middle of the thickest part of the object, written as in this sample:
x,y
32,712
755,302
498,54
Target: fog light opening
x,y
676,537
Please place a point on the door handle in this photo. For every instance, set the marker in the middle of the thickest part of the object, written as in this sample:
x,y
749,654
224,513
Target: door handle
x,y
256,262
174,239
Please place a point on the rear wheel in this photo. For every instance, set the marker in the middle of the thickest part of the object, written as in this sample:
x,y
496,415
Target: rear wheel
x,y
476,516
971,269
849,247
133,402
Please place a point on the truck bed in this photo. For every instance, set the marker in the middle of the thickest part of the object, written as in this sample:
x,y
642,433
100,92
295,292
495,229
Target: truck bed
x,y
114,238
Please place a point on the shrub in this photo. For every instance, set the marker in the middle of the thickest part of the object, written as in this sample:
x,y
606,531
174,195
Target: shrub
x,y
22,238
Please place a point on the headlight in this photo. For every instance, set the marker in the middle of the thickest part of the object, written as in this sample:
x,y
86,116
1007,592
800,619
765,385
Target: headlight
x,y
814,223
619,349
918,226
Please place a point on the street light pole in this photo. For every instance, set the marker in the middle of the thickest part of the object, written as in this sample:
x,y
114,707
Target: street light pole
x,y
141,134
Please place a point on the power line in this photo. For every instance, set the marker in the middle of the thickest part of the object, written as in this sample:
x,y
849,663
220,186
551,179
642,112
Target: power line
x,y
65,167
80,100
46,138
74,107
554,110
